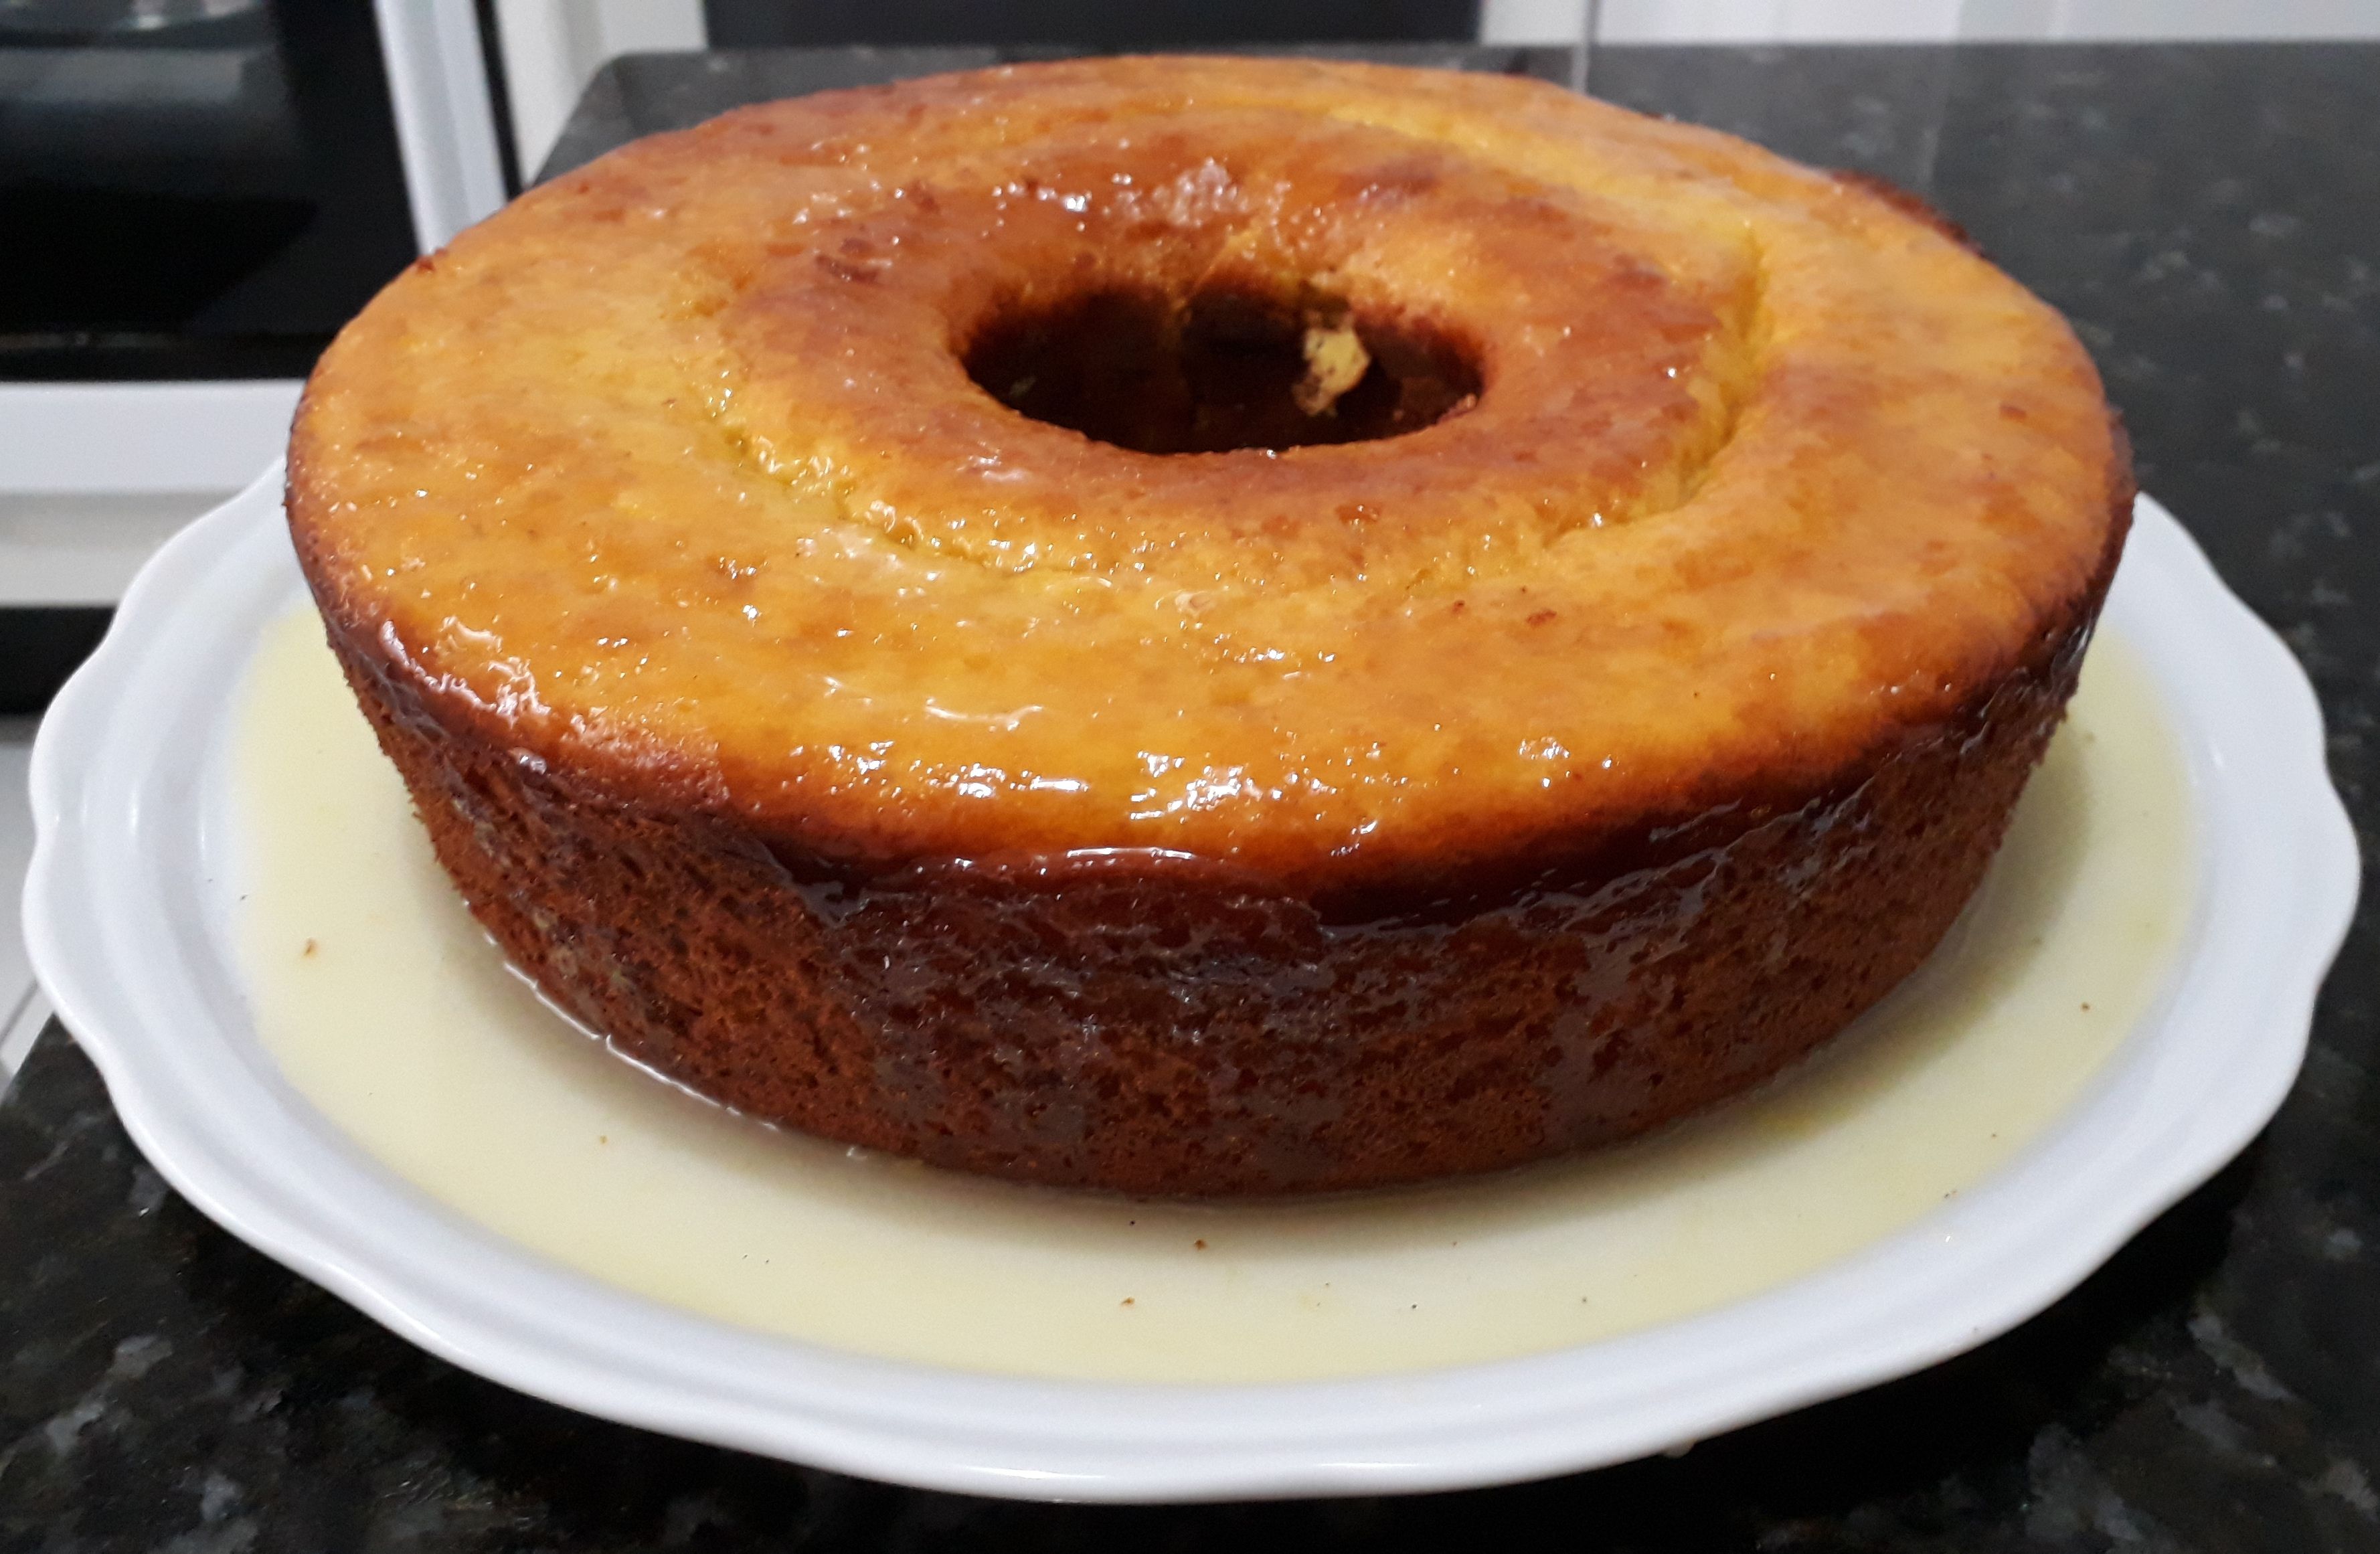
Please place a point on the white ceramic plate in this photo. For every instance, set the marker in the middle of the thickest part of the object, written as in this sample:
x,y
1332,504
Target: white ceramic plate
x,y
124,922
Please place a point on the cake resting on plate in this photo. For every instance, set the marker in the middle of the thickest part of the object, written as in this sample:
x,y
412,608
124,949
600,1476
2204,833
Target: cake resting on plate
x,y
1210,627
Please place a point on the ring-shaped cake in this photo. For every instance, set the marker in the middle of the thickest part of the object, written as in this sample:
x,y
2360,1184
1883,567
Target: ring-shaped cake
x,y
1204,625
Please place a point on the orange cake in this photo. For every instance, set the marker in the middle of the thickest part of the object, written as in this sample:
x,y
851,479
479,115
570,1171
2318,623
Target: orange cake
x,y
1210,627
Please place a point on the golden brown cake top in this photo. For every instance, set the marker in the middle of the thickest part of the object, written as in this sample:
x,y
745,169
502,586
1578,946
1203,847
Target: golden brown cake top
x,y
1469,463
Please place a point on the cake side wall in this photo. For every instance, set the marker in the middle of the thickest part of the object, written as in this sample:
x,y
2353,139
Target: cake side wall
x,y
1161,1029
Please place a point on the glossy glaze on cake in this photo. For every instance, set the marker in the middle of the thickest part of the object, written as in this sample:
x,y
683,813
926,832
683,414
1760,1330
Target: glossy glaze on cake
x,y
1569,721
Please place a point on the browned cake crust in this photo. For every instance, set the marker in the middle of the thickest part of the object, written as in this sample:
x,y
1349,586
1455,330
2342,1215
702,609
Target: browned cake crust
x,y
1168,1028
1618,801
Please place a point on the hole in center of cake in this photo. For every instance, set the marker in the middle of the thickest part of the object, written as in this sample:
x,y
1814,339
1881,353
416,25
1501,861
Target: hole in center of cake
x,y
1220,367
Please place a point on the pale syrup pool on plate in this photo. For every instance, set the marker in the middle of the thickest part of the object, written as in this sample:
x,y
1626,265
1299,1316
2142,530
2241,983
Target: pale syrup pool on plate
x,y
388,1009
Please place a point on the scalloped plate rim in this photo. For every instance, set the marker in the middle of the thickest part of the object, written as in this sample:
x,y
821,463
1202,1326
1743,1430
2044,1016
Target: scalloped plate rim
x,y
2197,1079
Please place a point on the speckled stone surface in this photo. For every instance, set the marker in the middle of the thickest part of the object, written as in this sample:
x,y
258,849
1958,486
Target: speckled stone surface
x,y
2210,217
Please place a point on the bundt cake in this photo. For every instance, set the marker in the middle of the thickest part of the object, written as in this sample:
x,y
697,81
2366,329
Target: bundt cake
x,y
1210,626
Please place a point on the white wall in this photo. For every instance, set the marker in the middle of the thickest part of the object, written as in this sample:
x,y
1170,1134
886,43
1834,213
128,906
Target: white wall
x,y
1753,21
552,47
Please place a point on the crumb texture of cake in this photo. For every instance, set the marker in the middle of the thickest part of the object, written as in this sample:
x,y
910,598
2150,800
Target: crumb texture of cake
x,y
1210,627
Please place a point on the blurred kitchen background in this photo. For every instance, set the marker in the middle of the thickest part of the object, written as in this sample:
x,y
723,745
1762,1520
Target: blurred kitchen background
x,y
194,194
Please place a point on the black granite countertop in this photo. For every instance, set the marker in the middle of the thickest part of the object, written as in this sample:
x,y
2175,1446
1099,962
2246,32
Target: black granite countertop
x,y
2209,217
